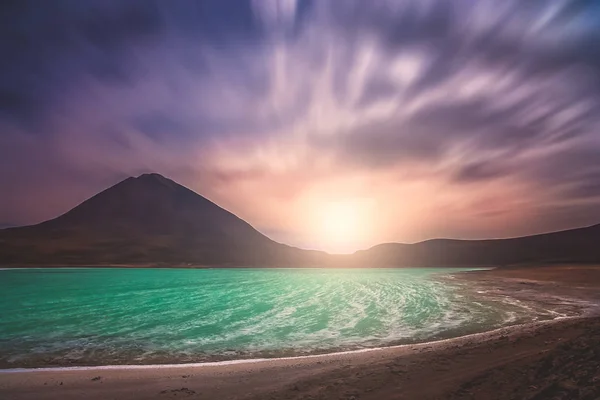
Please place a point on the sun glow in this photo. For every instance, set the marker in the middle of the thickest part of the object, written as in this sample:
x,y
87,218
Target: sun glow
x,y
344,225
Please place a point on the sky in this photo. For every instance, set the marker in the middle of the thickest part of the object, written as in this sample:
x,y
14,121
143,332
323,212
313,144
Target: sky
x,y
332,125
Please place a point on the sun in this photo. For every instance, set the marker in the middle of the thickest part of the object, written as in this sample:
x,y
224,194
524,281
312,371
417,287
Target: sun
x,y
343,225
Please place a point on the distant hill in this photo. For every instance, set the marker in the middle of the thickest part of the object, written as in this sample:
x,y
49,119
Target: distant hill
x,y
580,245
149,219
152,220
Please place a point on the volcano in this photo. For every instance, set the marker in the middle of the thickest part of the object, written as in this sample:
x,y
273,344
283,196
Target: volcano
x,y
147,220
153,221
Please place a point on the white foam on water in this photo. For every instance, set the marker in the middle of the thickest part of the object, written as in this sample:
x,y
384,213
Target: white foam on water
x,y
352,313
505,329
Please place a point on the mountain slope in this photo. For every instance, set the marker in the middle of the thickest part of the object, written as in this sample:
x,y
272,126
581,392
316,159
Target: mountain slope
x,y
153,220
149,219
580,245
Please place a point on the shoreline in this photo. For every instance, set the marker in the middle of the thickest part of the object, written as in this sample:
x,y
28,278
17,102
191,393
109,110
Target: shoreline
x,y
557,358
414,346
462,368
572,307
452,276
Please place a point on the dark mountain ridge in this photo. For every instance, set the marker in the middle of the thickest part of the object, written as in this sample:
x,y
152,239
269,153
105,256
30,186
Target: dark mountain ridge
x,y
581,245
152,220
148,219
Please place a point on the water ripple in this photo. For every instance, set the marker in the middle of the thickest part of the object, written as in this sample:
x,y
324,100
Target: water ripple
x,y
149,315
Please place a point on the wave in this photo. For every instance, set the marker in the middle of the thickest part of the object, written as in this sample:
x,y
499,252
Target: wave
x,y
146,315
478,335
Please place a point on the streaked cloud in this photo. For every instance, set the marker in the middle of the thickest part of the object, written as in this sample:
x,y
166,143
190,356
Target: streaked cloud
x,y
449,118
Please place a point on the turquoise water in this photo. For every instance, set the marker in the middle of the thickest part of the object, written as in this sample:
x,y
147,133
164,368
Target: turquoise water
x,y
132,316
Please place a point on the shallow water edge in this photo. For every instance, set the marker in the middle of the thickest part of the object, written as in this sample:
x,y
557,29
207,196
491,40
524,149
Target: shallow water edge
x,y
103,316
429,345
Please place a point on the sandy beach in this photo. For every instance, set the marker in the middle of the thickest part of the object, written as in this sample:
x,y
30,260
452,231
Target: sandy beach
x,y
544,360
